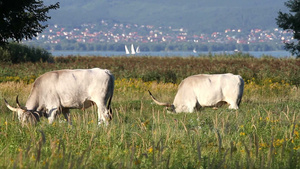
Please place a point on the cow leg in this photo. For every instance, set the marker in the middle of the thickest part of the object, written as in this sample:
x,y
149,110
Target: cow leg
x,y
190,105
102,116
233,105
66,113
102,110
102,113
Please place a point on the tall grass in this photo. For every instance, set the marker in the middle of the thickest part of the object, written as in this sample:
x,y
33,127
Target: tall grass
x,y
263,133
164,69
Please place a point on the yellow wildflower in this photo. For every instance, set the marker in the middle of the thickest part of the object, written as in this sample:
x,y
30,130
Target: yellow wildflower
x,y
150,150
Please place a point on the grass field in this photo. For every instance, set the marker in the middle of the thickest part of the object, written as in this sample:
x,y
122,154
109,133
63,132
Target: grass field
x,y
263,133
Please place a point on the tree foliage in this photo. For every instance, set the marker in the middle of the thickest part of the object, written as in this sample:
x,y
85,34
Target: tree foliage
x,y
17,53
291,21
22,19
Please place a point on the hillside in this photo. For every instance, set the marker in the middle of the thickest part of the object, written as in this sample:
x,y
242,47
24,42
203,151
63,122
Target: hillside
x,y
195,15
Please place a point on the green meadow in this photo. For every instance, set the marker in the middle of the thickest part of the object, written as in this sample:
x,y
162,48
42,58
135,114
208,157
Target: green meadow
x,y
263,133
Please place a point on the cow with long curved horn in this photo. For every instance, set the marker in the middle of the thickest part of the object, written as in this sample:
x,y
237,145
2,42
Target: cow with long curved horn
x,y
59,91
206,90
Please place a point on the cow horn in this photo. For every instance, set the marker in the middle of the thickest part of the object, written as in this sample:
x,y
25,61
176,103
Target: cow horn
x,y
158,102
18,104
17,101
10,107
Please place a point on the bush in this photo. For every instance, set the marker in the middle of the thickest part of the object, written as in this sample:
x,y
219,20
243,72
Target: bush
x,y
169,77
164,77
17,53
151,76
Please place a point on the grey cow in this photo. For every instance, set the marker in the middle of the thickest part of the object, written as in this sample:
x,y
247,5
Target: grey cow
x,y
62,90
205,90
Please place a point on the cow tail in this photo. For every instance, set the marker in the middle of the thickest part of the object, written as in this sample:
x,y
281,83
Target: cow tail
x,y
111,93
108,102
241,91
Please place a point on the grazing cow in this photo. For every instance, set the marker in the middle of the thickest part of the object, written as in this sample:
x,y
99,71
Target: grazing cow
x,y
62,90
205,90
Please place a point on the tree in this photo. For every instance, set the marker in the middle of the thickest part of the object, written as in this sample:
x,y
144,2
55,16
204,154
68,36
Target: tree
x,y
291,21
22,19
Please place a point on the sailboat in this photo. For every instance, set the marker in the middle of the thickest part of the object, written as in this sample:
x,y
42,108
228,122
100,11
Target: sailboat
x,y
194,50
137,49
126,50
132,49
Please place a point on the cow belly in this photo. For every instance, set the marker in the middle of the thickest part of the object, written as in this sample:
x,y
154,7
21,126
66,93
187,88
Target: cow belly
x,y
209,101
77,104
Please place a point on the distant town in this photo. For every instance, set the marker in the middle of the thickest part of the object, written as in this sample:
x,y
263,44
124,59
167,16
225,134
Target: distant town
x,y
56,37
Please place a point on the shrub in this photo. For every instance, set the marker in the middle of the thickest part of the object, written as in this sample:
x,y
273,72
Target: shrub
x,y
164,77
169,77
17,53
151,76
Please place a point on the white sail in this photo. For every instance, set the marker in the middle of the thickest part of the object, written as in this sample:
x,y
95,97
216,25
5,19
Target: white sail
x,y
194,50
137,49
126,50
132,49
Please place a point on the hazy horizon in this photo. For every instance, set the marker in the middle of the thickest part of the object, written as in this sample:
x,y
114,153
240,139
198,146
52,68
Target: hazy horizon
x,y
194,15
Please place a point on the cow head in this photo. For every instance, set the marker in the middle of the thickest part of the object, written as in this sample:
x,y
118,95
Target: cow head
x,y
24,115
169,107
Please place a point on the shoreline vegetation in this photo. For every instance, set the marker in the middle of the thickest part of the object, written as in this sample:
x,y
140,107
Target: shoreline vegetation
x,y
164,69
263,133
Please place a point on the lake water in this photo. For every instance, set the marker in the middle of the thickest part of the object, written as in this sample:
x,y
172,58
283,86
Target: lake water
x,y
278,54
